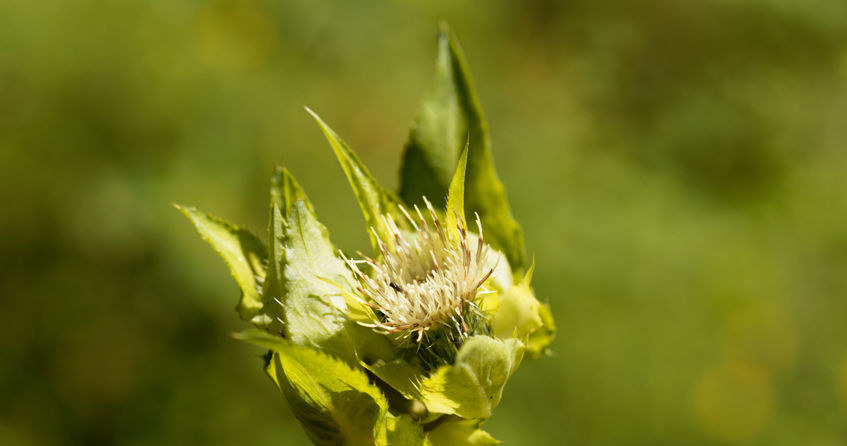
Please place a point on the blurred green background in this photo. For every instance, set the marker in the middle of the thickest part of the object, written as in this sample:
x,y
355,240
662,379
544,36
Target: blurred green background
x,y
679,169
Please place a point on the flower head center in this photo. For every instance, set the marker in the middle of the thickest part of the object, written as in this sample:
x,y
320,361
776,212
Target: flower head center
x,y
425,278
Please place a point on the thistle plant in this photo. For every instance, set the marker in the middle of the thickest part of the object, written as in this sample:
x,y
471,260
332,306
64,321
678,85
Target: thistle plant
x,y
413,343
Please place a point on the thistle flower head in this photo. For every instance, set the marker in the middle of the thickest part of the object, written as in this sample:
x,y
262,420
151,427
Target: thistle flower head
x,y
425,285
445,352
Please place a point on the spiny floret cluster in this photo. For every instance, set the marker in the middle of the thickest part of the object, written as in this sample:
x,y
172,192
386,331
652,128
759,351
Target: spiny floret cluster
x,y
426,279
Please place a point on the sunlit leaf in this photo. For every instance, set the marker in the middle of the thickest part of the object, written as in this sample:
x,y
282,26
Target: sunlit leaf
x,y
473,385
449,116
456,194
272,292
459,432
373,198
242,251
284,192
317,302
314,309
519,314
335,403
540,339
400,430
399,373
437,135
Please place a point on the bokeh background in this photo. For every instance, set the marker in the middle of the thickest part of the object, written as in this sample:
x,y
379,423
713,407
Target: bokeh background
x,y
679,169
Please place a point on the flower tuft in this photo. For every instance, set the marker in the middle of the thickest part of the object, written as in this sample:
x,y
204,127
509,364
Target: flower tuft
x,y
425,285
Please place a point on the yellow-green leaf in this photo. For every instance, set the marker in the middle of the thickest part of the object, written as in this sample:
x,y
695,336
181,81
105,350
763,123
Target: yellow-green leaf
x,y
374,200
400,430
399,373
473,385
272,290
459,432
456,194
284,192
242,251
316,298
314,280
519,314
437,135
449,116
335,403
540,339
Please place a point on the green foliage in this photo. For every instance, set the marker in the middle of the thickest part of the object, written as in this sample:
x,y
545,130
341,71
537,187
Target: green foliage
x,y
400,430
458,432
335,403
242,251
400,373
314,309
451,115
284,191
374,200
346,383
455,213
519,314
472,386
541,338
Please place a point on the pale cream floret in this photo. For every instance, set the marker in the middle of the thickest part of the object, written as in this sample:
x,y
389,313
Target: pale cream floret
x,y
427,277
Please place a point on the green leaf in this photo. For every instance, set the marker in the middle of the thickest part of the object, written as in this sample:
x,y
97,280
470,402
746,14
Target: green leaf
x,y
272,291
317,288
318,285
334,402
540,339
459,432
242,251
517,311
473,385
314,280
519,314
398,373
450,115
373,198
284,191
400,430
456,195
437,134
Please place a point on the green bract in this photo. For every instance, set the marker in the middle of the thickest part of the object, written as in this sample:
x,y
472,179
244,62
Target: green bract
x,y
414,344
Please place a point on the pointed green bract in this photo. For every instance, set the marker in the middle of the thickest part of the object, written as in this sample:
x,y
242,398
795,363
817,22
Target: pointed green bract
x,y
519,314
400,430
285,190
473,385
373,198
272,290
539,340
456,194
316,302
314,310
242,251
458,432
436,136
450,115
335,403
399,373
